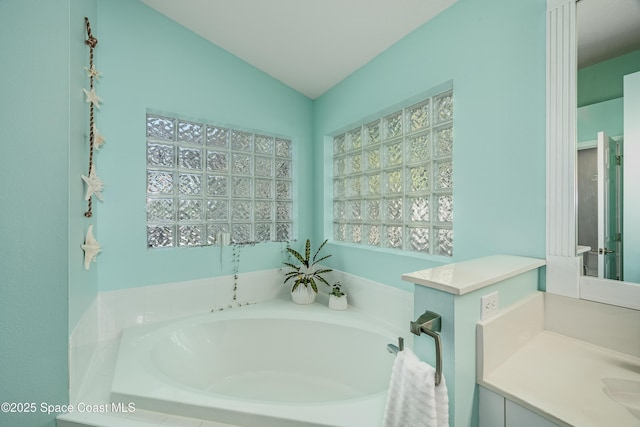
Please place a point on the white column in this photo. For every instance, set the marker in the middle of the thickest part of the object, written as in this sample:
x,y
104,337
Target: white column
x,y
562,264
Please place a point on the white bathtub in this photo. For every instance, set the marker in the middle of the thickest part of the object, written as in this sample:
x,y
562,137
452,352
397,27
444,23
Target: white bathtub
x,y
269,364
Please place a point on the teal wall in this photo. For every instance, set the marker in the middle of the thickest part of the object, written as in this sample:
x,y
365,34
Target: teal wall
x,y
600,96
35,129
603,81
459,317
494,51
150,62
602,116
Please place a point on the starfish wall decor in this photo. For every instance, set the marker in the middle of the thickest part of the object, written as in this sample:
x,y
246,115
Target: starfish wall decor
x,y
91,248
94,184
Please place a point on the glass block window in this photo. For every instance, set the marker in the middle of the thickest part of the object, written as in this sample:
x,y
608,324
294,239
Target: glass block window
x,y
393,179
203,180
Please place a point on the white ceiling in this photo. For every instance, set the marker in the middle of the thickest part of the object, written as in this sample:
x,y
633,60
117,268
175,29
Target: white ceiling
x,y
311,45
607,28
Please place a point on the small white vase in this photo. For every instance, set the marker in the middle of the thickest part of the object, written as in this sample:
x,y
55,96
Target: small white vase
x,y
303,294
338,303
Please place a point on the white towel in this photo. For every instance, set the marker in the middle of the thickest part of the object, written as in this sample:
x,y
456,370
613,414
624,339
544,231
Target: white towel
x,y
413,399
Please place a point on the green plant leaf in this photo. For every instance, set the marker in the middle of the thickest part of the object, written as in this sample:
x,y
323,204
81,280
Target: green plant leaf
x,y
297,255
322,279
309,278
321,259
313,284
307,252
319,249
295,267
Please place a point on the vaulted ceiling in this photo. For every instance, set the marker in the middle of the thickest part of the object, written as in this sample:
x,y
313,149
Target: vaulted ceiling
x,y
312,45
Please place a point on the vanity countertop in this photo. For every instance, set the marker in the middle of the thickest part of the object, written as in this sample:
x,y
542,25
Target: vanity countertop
x,y
560,378
582,249
554,375
463,277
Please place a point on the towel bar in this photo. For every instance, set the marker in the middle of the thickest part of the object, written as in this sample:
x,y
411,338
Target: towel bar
x,y
431,323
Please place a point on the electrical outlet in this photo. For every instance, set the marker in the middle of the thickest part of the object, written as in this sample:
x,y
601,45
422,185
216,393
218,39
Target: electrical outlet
x,y
489,305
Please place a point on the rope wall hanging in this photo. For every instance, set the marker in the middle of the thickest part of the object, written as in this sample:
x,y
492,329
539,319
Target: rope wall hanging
x,y
93,183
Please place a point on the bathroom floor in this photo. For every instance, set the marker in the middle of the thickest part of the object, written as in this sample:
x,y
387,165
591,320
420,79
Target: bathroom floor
x,y
96,389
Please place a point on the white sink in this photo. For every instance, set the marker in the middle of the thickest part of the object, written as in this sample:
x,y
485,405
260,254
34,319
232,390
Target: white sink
x,y
624,392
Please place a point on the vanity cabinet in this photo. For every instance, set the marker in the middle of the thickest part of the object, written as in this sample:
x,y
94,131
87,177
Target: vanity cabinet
x,y
496,411
518,416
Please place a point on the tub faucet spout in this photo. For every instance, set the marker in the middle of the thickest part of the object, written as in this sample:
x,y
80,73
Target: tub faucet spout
x,y
396,348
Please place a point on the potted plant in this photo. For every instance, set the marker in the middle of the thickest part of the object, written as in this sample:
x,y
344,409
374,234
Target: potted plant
x,y
306,274
337,298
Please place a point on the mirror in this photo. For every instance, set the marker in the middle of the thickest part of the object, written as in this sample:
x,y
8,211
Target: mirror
x,y
564,267
608,47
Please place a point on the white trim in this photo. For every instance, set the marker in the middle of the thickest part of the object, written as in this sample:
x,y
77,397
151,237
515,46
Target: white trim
x,y
563,274
624,294
593,143
561,128
562,265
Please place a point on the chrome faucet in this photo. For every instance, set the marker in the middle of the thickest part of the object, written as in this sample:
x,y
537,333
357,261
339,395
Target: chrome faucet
x,y
396,348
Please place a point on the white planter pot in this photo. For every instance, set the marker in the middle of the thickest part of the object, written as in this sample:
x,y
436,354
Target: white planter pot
x,y
303,295
338,303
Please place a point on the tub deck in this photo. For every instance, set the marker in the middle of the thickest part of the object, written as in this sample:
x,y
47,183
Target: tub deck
x,y
98,390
